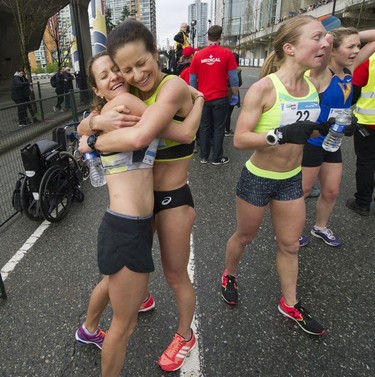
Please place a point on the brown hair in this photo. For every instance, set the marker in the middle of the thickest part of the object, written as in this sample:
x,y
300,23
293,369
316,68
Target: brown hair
x,y
130,31
340,33
98,102
214,33
288,32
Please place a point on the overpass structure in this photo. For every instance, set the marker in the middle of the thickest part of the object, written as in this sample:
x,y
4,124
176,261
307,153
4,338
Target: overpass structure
x,y
256,44
34,15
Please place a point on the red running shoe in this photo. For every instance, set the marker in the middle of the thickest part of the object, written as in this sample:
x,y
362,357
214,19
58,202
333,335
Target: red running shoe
x,y
302,317
176,353
147,305
229,289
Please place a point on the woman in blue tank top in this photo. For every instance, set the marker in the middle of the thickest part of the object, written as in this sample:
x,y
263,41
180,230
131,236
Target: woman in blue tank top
x,y
335,83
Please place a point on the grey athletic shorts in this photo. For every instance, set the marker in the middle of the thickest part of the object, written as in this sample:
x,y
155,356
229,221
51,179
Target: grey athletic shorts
x,y
258,191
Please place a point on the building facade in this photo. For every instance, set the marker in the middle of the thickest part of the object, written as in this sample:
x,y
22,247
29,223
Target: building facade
x,y
144,11
249,26
198,12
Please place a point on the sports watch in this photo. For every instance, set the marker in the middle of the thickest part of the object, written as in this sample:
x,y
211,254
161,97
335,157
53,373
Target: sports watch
x,y
91,141
272,138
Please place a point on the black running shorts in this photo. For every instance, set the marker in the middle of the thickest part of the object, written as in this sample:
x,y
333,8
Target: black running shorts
x,y
124,242
172,199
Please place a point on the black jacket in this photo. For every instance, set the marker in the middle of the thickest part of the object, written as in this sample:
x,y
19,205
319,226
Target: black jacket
x,y
59,83
20,89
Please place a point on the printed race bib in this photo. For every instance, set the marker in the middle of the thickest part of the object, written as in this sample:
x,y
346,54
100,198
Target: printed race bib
x,y
292,112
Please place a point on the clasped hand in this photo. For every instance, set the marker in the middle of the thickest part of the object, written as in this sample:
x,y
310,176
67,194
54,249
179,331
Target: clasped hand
x,y
348,131
296,133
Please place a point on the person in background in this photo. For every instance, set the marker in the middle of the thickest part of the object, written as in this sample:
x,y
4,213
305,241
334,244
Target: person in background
x,y
183,66
20,93
209,71
228,131
68,86
364,137
335,93
182,40
59,90
269,126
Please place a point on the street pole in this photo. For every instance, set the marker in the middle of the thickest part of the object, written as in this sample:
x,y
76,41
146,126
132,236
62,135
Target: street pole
x,y
81,57
239,40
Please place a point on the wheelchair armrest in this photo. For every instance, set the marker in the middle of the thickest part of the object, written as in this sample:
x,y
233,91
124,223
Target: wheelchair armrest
x,y
46,146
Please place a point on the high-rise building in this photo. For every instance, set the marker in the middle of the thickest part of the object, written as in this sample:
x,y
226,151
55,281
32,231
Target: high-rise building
x,y
144,11
198,12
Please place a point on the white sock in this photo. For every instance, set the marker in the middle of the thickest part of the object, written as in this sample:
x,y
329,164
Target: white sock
x,y
319,227
87,331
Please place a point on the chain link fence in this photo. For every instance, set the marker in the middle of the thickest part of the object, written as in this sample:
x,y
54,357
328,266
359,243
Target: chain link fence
x,y
13,137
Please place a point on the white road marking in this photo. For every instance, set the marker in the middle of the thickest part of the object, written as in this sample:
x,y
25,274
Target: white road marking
x,y
17,257
192,367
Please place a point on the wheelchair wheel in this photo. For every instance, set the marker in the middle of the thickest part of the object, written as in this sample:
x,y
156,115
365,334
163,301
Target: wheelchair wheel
x,y
30,206
76,171
55,194
78,195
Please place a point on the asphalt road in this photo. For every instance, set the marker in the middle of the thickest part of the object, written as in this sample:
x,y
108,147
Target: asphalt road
x,y
48,291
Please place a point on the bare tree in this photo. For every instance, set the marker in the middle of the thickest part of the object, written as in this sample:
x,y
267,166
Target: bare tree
x,y
28,16
57,46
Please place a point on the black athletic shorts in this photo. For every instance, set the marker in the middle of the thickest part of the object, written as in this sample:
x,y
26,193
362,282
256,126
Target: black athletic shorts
x,y
125,242
172,199
314,156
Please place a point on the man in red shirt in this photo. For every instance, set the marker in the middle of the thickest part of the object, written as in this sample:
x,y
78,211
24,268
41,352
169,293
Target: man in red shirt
x,y
364,136
208,73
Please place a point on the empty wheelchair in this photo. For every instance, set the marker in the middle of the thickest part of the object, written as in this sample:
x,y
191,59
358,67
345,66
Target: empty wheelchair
x,y
52,178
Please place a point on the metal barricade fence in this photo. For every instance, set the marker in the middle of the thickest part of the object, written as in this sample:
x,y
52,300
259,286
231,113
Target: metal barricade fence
x,y
13,137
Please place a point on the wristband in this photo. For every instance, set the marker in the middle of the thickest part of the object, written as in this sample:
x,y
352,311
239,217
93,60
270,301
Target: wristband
x,y
272,138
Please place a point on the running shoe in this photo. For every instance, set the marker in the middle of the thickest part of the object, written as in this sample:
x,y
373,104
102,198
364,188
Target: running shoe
x,y
327,236
229,289
147,305
303,240
204,161
222,161
176,353
302,317
97,339
315,192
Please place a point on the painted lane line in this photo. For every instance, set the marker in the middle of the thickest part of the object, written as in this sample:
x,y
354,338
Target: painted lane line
x,y
192,367
17,257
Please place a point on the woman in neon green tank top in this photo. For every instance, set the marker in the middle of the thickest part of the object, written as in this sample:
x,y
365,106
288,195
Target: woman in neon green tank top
x,y
134,52
277,117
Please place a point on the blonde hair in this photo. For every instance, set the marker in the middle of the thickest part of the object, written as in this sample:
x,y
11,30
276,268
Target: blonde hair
x,y
289,32
340,33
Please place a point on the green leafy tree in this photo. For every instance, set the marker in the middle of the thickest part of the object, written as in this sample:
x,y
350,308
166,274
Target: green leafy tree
x,y
108,20
124,14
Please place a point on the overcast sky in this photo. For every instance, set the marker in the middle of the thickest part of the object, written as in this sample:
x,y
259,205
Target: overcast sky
x,y
169,16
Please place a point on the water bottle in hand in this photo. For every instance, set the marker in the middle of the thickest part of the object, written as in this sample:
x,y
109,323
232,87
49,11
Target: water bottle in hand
x,y
332,141
97,177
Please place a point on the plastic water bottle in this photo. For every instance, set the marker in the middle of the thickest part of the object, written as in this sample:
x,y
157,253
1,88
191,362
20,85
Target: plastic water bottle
x,y
332,141
97,177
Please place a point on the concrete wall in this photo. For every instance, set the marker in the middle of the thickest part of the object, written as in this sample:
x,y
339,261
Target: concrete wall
x,y
10,55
